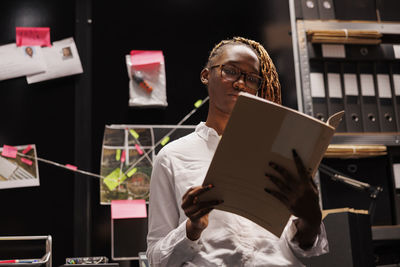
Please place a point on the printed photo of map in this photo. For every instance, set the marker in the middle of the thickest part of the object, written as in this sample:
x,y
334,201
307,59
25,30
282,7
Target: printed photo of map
x,y
127,158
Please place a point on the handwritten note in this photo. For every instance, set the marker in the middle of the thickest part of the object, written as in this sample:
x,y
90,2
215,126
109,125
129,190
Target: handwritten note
x,y
35,36
146,57
123,209
9,151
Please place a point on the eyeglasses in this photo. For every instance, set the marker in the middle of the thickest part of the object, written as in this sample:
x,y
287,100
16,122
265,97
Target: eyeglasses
x,y
232,73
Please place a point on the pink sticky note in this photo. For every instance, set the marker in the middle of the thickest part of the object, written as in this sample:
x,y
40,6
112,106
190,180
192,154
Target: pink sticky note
x,y
138,149
72,167
146,57
9,151
123,209
123,156
27,161
39,36
26,150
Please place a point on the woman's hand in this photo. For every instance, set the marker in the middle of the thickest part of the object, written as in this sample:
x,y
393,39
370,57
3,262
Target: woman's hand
x,y
197,211
300,195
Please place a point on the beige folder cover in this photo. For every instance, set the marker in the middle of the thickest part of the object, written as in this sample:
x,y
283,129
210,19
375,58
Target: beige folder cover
x,y
260,131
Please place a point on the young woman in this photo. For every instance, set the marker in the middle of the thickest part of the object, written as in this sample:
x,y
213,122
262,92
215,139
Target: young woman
x,y
184,231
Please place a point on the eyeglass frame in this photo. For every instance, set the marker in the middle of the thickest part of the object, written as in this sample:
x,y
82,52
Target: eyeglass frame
x,y
241,73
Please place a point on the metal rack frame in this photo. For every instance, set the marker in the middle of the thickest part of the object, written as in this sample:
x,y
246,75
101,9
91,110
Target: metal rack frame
x,y
48,245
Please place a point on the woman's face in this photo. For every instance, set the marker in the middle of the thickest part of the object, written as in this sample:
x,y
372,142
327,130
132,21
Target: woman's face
x,y
223,93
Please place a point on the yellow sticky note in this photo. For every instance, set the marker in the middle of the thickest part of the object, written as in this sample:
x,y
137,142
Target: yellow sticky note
x,y
131,172
115,178
165,141
118,154
198,103
134,133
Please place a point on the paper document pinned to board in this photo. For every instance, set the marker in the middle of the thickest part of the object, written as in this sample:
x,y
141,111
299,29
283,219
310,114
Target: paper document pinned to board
x,y
260,131
62,59
20,61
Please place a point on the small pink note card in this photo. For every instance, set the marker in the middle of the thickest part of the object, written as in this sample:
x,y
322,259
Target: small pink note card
x,y
33,36
123,209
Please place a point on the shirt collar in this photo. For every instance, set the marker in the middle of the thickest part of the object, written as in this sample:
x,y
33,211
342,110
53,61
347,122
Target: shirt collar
x,y
205,132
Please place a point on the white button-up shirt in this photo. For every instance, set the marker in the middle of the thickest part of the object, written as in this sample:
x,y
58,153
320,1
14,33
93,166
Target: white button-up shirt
x,y
229,239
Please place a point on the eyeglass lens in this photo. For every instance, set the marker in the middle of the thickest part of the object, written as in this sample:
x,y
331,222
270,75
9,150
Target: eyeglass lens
x,y
232,73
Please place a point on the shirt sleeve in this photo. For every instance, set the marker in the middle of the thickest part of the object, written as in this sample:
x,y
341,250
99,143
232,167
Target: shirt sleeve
x,y
319,247
167,243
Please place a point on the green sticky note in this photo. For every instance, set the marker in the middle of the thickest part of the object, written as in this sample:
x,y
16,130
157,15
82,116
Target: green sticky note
x,y
115,178
131,172
134,133
198,103
165,141
118,154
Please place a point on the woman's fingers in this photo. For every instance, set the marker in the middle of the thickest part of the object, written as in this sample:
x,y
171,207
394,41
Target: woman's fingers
x,y
280,183
281,197
193,209
282,171
191,195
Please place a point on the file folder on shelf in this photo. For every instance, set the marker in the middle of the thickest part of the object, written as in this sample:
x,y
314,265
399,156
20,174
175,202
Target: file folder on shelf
x,y
352,98
326,9
369,104
318,94
395,82
334,84
385,100
309,9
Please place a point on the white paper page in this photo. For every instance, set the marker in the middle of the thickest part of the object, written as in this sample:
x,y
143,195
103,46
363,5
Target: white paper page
x,y
350,84
396,49
367,85
396,172
334,86
384,86
20,61
62,60
335,51
7,168
317,84
396,83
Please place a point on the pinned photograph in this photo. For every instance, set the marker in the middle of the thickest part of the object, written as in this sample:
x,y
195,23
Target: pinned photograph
x,y
62,59
67,53
20,61
18,166
29,51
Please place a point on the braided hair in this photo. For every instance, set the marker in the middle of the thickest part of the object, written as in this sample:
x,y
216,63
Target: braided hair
x,y
270,88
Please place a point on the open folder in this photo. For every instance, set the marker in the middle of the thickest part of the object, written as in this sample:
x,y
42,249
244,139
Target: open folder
x,y
260,131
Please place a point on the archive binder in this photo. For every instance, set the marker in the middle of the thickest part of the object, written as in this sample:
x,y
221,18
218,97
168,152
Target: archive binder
x,y
385,100
318,94
369,100
309,9
394,70
352,98
326,9
334,85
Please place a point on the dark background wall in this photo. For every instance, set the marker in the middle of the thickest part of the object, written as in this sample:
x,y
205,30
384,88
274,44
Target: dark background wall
x,y
65,118
42,114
